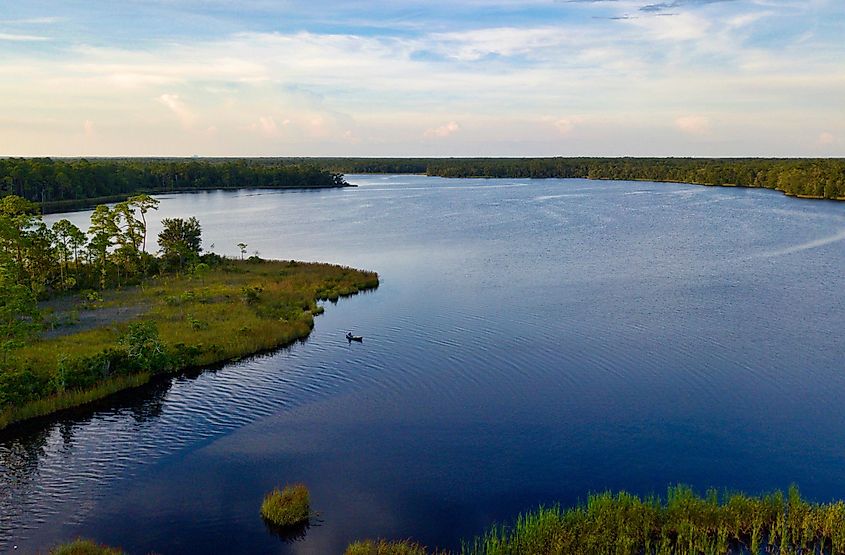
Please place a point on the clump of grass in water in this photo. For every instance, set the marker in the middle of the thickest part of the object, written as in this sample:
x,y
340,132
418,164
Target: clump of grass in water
x,y
383,547
85,547
288,507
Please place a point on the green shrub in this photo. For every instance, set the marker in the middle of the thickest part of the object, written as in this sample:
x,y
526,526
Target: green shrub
x,y
290,506
196,323
144,347
19,386
251,295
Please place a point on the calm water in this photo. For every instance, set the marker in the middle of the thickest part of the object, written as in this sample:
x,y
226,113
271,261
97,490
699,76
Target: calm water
x,y
531,341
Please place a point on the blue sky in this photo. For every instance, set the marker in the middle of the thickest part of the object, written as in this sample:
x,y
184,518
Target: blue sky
x,y
413,78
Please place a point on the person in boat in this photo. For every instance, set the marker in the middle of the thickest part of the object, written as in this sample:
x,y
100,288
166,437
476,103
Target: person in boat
x,y
349,335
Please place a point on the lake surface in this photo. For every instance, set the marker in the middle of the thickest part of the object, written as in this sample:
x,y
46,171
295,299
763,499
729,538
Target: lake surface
x,y
531,341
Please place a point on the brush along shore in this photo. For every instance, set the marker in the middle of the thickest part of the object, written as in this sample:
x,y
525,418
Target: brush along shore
x,y
222,312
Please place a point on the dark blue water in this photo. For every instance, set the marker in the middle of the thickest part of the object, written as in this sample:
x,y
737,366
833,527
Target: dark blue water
x,y
531,341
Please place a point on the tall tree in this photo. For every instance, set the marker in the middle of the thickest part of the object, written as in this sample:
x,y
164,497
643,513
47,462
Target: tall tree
x,y
18,217
179,241
143,203
18,314
130,232
69,239
40,257
102,232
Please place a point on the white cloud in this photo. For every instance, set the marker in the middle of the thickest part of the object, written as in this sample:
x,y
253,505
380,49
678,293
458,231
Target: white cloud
x,y
679,27
443,130
185,116
31,21
747,19
399,91
826,138
567,125
14,37
693,124
502,41
268,125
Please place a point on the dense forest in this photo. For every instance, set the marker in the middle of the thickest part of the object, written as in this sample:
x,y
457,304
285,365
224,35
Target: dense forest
x,y
819,178
62,184
59,183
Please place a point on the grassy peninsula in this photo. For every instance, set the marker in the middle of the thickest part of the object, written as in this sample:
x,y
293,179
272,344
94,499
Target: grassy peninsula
x,y
83,316
167,324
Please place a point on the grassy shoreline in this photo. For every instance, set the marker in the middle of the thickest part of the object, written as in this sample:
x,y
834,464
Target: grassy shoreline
x,y
238,309
682,523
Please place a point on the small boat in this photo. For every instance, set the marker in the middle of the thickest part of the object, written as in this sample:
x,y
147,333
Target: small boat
x,y
358,338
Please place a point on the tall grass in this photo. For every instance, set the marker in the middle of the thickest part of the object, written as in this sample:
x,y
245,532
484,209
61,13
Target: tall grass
x,y
383,547
681,524
84,547
235,309
70,399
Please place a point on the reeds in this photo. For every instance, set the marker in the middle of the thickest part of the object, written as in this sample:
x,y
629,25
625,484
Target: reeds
x,y
72,398
383,547
682,524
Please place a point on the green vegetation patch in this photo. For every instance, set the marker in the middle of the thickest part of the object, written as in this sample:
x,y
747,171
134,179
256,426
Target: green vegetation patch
x,y
85,547
290,506
682,524
384,547
228,310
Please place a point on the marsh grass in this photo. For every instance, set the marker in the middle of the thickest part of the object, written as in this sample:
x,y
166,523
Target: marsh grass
x,y
200,321
287,508
74,398
681,524
84,547
383,547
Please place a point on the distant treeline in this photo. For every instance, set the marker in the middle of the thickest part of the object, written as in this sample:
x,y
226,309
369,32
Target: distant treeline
x,y
62,182
820,178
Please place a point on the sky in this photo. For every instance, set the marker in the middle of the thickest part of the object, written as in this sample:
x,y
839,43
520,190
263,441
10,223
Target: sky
x,y
422,78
